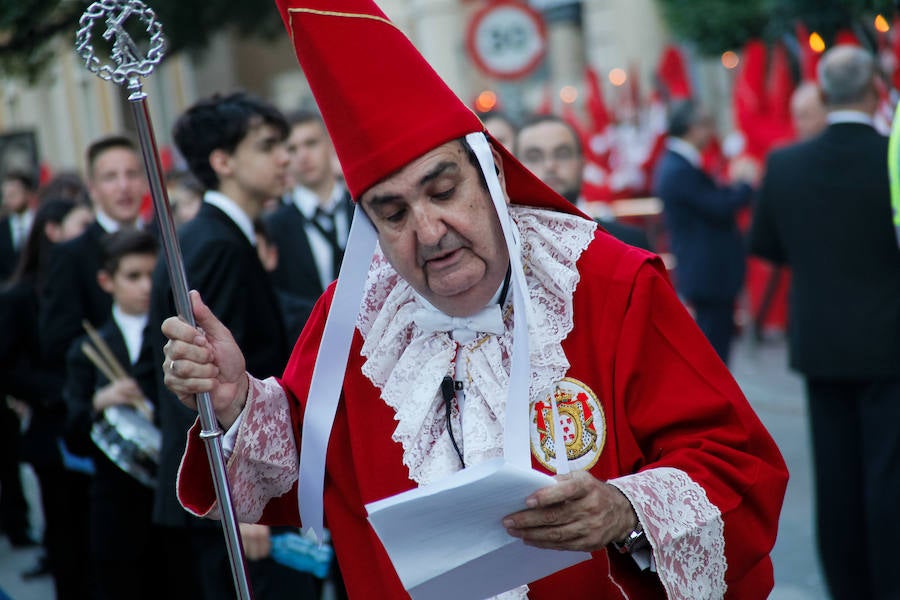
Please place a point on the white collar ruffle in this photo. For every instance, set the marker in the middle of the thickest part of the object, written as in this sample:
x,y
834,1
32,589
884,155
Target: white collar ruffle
x,y
408,365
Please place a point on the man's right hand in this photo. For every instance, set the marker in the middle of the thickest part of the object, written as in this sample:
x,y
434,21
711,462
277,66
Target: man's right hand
x,y
205,359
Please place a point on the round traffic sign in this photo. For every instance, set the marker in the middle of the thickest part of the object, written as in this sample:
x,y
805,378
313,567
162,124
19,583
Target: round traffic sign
x,y
506,39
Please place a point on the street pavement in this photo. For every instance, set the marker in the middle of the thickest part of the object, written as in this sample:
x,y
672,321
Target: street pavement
x,y
775,393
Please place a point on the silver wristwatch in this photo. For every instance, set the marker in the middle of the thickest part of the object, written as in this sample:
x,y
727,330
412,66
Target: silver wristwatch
x,y
633,539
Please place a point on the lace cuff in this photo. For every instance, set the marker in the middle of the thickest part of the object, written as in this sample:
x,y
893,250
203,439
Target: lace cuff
x,y
684,529
264,462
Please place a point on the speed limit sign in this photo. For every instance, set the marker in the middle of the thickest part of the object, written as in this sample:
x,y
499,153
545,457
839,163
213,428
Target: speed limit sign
x,y
506,39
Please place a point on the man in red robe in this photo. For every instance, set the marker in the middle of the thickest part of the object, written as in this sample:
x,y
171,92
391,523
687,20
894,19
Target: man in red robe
x,y
675,486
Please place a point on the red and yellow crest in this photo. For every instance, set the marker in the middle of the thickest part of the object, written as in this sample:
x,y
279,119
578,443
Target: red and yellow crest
x,y
581,419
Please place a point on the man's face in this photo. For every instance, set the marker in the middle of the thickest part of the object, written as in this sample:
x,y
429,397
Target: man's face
x,y
438,228
15,195
258,164
130,285
117,184
310,151
549,150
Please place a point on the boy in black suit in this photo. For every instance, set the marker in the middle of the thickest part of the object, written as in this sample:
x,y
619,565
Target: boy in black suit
x,y
310,229
117,186
235,146
123,544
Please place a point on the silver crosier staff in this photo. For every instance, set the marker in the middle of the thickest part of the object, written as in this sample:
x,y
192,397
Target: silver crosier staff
x,y
127,68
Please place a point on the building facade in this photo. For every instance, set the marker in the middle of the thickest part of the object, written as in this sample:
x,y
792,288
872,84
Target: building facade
x,y
70,106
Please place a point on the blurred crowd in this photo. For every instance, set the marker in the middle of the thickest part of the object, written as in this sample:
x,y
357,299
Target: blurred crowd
x,y
260,205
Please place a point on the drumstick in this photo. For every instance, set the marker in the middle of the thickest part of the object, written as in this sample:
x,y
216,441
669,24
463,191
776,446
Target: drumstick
x,y
107,354
143,406
95,358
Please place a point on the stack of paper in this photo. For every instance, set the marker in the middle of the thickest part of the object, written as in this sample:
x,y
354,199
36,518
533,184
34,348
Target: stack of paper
x,y
447,540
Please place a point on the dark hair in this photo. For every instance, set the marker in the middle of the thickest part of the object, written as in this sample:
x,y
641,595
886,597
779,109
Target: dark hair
x,y
302,117
221,123
66,185
538,119
103,144
498,114
185,179
26,178
126,242
682,116
36,249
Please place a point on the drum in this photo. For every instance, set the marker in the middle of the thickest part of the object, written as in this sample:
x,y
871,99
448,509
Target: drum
x,y
130,441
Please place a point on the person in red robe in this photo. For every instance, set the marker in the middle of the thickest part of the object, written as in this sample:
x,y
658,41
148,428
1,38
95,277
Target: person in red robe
x,y
675,485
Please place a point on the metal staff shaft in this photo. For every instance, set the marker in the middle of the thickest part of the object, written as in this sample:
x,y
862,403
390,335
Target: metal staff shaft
x,y
210,433
127,68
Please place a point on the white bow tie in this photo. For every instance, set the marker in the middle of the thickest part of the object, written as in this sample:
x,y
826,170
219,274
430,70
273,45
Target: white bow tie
x,y
463,329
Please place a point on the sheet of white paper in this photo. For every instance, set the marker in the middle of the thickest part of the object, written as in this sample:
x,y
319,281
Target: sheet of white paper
x,y
447,540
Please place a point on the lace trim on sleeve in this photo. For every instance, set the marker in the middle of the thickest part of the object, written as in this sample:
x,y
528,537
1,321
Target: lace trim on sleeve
x,y
264,462
683,527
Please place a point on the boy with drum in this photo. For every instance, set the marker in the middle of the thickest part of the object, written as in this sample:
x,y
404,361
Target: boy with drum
x,y
109,378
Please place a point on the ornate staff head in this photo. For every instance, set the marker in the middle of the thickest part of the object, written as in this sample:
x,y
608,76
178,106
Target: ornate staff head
x,y
128,64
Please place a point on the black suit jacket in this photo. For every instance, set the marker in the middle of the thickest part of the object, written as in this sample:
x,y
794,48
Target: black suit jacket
x,y
223,266
297,273
24,376
71,293
700,218
824,209
111,485
8,255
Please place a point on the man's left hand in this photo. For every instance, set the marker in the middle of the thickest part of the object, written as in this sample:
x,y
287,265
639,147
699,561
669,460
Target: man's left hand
x,y
580,512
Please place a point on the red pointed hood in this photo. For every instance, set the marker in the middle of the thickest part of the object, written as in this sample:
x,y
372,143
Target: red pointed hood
x,y
382,103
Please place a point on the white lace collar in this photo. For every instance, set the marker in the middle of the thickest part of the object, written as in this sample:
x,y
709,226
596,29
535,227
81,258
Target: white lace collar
x,y
408,365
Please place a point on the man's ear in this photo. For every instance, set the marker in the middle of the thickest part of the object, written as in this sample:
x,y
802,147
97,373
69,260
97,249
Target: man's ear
x,y
220,161
105,281
498,167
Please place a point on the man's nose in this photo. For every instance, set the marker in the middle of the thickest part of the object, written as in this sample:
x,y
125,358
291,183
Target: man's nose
x,y
430,227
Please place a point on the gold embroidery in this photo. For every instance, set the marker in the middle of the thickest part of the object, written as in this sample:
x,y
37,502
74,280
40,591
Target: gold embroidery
x,y
334,13
583,422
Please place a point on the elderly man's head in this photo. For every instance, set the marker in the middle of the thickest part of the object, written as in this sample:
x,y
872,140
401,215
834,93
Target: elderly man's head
x,y
550,148
438,227
847,79
808,111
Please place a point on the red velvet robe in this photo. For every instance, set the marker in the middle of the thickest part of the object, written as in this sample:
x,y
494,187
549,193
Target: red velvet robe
x,y
667,402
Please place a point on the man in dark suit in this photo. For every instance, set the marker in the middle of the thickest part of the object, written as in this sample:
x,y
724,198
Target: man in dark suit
x,y
235,146
19,194
117,185
19,200
551,149
310,229
824,210
700,216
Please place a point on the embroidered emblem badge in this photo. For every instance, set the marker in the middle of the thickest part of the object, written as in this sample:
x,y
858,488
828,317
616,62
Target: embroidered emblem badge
x,y
581,419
